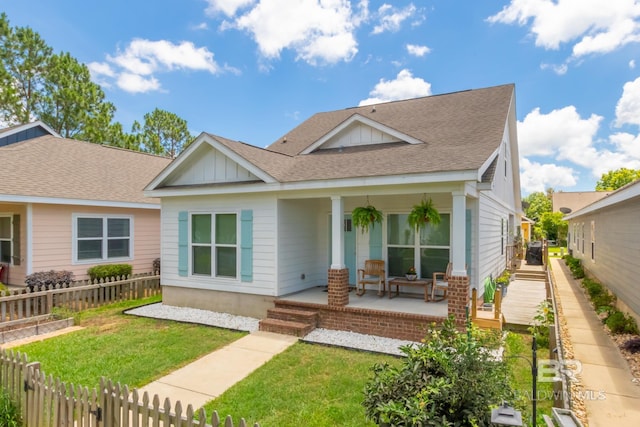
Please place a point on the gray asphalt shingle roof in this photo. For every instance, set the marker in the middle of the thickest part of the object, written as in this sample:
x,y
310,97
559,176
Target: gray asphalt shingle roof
x,y
457,132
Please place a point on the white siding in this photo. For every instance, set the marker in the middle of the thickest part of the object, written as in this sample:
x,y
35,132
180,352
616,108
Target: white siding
x,y
617,249
264,242
358,134
208,166
492,259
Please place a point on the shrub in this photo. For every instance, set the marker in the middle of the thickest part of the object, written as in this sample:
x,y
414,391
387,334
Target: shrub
x,y
542,320
449,379
156,265
575,265
621,323
42,280
632,345
9,412
109,271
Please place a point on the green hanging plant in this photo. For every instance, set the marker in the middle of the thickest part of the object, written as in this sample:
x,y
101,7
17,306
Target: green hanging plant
x,y
365,217
422,214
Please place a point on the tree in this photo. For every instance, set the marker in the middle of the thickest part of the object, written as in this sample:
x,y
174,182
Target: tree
x,y
24,57
163,133
71,103
451,379
615,179
552,226
538,203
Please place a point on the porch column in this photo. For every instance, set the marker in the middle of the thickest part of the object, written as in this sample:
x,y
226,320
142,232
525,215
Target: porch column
x,y
338,277
459,234
458,299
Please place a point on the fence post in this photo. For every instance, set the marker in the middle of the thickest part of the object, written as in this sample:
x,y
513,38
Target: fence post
x,y
29,408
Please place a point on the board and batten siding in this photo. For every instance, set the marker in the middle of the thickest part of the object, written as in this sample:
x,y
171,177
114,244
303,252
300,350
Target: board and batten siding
x,y
617,249
52,231
359,134
264,242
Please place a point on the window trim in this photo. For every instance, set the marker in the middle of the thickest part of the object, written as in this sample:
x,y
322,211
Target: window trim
x,y
213,245
10,239
105,239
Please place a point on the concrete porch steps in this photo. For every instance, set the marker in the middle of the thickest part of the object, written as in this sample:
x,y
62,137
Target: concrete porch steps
x,y
289,321
531,275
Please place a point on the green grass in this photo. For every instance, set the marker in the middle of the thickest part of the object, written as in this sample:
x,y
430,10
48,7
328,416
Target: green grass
x,y
307,385
521,382
126,349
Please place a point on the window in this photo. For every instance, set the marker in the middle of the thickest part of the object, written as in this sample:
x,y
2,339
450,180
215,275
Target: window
x,y
214,244
102,238
593,240
404,246
6,239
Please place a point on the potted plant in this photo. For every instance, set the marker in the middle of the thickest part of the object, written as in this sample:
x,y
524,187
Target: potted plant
x,y
364,217
423,214
411,273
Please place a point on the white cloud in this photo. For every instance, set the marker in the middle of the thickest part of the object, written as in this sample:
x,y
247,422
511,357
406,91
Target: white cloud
x,y
228,7
594,26
417,50
319,32
629,145
560,132
405,86
535,176
391,18
134,68
200,27
628,106
632,64
136,83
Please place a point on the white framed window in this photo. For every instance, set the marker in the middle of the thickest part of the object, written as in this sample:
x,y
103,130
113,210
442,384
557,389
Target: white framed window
x,y
102,238
427,251
6,239
214,244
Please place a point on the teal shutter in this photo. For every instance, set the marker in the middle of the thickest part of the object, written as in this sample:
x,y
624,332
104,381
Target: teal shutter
x,y
246,245
183,243
375,242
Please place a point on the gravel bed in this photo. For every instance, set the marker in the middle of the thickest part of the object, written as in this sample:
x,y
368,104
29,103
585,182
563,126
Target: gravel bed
x,y
321,336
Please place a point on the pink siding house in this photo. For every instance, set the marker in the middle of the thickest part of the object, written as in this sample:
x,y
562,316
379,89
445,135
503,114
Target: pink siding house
x,y
70,205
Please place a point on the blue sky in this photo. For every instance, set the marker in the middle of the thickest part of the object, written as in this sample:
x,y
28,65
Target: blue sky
x,y
251,70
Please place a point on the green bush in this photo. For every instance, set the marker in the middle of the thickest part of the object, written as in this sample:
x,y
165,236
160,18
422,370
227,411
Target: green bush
x,y
9,412
109,271
620,323
575,265
449,379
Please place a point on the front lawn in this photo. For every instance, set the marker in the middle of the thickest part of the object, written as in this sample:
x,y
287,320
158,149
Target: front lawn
x,y
126,349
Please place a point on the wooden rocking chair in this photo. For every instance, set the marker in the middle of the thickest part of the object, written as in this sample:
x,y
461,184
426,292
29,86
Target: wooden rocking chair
x,y
441,281
372,274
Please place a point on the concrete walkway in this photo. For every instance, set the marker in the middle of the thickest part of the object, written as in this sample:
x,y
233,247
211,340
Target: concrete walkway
x,y
208,377
610,396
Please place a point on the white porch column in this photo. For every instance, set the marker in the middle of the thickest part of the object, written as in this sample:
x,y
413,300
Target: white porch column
x,y
337,233
459,235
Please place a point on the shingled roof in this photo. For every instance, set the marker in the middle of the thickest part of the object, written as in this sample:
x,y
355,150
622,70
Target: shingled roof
x,y
455,132
58,168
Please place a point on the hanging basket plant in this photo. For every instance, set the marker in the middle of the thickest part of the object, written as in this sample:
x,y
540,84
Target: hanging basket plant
x,y
423,214
365,217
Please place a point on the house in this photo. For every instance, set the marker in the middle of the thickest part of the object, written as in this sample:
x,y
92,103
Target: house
x,y
243,226
571,201
70,205
604,235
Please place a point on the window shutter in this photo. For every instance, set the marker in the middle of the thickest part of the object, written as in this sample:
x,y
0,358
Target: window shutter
x,y
246,245
16,240
375,242
183,243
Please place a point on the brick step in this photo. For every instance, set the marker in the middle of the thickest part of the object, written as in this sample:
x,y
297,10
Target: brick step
x,y
293,315
285,327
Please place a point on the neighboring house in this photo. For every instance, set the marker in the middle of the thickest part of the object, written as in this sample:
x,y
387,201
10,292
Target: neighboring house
x,y
567,202
527,229
70,205
242,225
23,132
605,237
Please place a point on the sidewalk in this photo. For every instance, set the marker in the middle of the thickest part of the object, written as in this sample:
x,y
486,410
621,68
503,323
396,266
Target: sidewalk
x,y
208,377
610,397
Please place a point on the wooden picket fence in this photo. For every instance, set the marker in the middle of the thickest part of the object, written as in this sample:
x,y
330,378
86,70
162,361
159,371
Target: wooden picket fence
x,y
48,402
81,295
